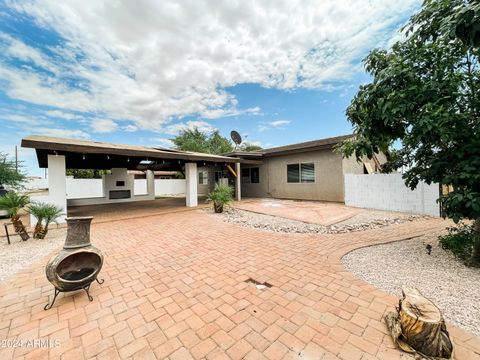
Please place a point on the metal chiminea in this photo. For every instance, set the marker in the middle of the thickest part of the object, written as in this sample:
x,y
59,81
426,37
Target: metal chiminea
x,y
78,264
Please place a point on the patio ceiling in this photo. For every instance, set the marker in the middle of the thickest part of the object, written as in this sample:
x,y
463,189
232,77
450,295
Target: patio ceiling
x,y
82,154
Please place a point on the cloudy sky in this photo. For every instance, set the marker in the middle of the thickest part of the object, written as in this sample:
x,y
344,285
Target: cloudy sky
x,y
140,71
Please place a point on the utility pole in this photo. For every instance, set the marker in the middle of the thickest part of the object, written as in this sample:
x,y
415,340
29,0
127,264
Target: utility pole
x,y
16,158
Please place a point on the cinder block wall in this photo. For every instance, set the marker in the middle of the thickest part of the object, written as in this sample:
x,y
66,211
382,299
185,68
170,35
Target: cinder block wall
x,y
388,192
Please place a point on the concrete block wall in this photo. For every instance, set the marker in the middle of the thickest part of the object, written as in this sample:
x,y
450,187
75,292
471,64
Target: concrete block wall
x,y
388,192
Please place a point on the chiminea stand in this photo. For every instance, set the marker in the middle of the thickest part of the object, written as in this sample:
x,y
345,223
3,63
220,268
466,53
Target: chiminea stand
x,y
78,263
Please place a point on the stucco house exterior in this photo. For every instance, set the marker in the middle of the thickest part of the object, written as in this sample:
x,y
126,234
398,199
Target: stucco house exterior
x,y
309,171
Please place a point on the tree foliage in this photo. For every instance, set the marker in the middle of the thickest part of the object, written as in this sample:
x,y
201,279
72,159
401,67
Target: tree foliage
x,y
9,176
199,141
249,147
86,173
425,96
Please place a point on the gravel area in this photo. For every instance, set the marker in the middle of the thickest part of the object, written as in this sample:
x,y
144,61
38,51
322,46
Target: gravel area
x,y
441,277
21,254
363,221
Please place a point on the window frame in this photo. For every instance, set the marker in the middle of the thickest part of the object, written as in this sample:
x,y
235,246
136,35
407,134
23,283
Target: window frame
x,y
299,169
258,175
301,172
204,177
245,179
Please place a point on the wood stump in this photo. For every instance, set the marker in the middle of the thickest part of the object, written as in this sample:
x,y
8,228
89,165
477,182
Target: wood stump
x,y
418,327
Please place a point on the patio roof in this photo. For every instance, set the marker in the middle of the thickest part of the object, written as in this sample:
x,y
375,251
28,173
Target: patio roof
x,y
83,154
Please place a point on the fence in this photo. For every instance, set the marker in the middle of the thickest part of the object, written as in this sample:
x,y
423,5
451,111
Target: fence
x,y
92,188
388,192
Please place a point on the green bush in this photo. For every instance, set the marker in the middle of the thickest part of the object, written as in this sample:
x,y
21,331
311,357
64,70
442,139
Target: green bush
x,y
459,241
221,195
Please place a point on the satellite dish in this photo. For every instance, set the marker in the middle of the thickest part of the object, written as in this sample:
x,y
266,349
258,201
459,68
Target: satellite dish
x,y
237,139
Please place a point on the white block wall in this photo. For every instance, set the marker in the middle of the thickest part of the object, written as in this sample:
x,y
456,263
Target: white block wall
x,y
389,192
168,187
84,188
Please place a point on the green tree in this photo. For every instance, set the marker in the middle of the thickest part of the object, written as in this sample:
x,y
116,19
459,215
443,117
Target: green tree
x,y
86,173
198,141
217,144
249,147
9,176
424,97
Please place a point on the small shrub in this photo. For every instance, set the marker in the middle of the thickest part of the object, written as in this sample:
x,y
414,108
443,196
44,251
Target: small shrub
x,y
459,241
221,195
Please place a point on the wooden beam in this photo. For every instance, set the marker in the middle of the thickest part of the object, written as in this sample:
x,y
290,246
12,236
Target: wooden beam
x,y
231,170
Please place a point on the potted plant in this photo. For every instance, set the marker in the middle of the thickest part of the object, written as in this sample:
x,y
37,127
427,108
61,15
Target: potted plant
x,y
45,215
12,203
221,195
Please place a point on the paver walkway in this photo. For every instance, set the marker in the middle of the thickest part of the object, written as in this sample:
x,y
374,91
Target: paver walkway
x,y
175,288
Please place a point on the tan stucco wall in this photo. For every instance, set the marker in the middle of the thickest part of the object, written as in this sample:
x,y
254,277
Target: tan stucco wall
x,y
328,185
351,166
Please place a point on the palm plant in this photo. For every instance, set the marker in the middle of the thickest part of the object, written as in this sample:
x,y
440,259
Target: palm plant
x,y
45,215
12,203
221,195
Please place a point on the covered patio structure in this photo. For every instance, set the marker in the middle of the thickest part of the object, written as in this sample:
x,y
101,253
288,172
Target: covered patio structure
x,y
58,155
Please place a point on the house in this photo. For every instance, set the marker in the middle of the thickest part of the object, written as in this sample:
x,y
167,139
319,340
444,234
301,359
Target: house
x,y
310,170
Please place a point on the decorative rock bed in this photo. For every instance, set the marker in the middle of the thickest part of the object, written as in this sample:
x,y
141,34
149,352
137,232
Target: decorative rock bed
x,y
363,221
21,254
440,276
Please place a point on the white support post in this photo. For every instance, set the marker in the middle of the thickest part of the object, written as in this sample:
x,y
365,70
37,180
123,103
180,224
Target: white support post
x,y
57,183
238,183
150,184
191,184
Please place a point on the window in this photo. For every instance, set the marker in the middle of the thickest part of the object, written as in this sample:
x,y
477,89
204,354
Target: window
x,y
293,173
250,175
304,173
203,177
255,175
246,176
307,174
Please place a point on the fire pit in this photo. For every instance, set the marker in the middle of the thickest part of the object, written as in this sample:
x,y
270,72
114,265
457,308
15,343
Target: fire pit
x,y
78,264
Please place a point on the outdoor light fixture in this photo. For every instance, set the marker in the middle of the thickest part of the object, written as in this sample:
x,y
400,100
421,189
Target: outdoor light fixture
x,y
55,152
83,156
108,157
128,159
146,162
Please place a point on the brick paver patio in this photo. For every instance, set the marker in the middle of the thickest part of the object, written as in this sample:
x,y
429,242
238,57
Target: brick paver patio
x,y
175,288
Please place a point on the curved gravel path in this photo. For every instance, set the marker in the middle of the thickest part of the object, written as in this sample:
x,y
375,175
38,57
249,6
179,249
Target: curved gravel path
x,y
452,286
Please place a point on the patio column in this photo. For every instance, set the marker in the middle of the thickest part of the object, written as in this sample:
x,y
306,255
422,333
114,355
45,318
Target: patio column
x,y
57,183
238,183
191,184
150,184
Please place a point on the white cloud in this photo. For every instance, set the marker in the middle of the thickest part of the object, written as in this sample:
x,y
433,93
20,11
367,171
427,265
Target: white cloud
x,y
161,60
103,125
162,142
62,133
130,128
174,129
62,115
279,124
24,120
